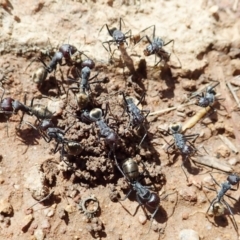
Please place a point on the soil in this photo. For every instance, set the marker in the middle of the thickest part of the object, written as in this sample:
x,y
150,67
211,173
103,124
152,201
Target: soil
x,y
205,50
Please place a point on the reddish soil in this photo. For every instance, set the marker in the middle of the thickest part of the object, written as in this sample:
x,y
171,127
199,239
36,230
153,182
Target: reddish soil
x,y
206,49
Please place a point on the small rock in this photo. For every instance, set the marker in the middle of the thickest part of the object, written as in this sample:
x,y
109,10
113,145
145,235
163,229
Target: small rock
x,y
6,222
185,216
1,180
5,207
45,224
189,85
142,219
208,181
26,221
39,234
188,194
222,151
188,234
233,161
1,218
62,213
50,213
70,209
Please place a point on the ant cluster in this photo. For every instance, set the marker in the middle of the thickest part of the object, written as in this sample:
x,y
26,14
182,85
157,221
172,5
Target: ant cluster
x,y
89,112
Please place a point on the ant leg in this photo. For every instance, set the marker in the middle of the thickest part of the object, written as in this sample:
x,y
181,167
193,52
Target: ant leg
x,y
69,128
184,171
142,97
2,93
212,189
211,204
127,195
56,148
153,36
214,86
233,219
191,136
152,217
214,180
161,58
45,65
145,130
109,49
170,146
169,42
231,196
120,24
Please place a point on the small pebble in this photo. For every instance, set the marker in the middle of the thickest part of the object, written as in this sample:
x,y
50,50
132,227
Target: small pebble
x,y
185,216
233,161
222,151
142,219
62,213
70,209
39,234
5,207
6,222
188,194
188,234
45,224
1,218
26,221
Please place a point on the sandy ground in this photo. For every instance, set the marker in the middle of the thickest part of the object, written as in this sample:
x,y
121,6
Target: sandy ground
x,y
206,47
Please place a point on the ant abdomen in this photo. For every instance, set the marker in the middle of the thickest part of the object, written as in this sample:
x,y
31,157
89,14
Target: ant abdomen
x,y
154,201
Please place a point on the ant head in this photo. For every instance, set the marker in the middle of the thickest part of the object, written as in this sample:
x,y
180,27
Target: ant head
x,y
112,30
96,113
67,50
149,50
88,63
233,179
7,104
175,127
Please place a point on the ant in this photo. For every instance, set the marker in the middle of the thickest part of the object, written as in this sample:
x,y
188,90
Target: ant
x,y
135,114
143,195
49,132
207,99
66,51
38,110
232,179
84,86
156,46
180,142
110,136
118,36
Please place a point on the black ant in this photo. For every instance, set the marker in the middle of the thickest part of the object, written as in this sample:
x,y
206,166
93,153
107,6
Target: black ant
x,y
232,180
137,119
82,96
208,98
156,46
144,196
49,132
118,36
110,136
182,142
